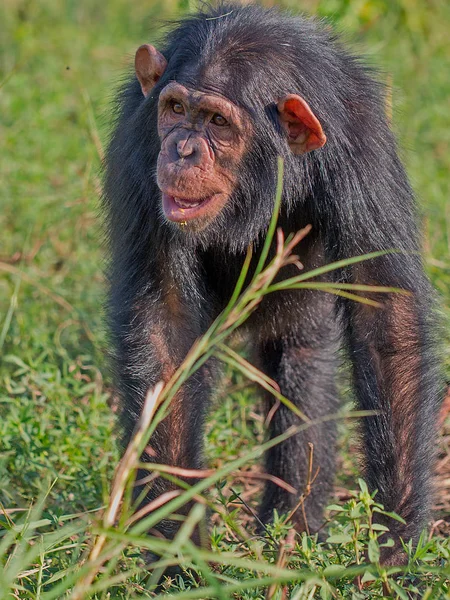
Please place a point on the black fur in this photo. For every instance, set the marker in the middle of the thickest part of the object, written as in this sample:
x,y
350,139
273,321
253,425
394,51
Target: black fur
x,y
355,194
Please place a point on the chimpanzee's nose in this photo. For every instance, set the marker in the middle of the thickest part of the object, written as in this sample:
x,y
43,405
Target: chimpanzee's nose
x,y
188,149
185,147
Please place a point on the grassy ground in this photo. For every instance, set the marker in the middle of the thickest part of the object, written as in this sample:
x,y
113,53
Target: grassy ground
x,y
59,65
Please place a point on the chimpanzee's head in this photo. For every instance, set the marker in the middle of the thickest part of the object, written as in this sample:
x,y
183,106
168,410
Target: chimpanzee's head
x,y
206,134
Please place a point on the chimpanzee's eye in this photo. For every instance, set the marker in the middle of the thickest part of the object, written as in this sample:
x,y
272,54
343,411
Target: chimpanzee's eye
x,y
178,108
219,120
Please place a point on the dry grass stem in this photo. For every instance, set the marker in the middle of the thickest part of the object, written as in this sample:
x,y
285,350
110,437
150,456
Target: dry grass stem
x,y
123,473
286,546
309,483
203,473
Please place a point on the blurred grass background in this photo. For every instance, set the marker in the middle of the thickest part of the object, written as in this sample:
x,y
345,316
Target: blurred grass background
x,y
60,63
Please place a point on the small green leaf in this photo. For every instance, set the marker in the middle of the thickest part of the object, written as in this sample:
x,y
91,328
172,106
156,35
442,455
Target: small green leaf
x,y
334,571
393,515
357,512
336,507
373,549
325,592
340,538
363,486
400,591
368,576
379,527
388,543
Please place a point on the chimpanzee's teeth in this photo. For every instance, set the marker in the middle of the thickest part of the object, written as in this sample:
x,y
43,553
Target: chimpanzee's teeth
x,y
182,204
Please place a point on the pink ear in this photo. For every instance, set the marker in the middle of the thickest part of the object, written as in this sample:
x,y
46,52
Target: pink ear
x,y
301,124
149,65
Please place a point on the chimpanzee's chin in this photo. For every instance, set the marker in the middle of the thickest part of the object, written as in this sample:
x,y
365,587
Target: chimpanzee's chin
x,y
192,232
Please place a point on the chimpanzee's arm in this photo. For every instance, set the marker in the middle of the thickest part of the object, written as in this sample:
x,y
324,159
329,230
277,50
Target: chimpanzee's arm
x,y
154,328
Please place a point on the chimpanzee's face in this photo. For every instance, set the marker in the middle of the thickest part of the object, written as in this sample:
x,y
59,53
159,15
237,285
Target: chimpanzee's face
x,y
203,139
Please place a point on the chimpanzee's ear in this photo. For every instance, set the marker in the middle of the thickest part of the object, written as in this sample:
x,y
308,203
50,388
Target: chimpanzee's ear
x,y
149,65
303,129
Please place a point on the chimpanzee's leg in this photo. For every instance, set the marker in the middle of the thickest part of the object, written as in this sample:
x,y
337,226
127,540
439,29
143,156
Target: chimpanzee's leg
x,y
303,363
395,374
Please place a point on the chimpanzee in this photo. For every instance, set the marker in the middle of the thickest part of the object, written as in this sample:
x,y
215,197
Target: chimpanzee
x,y
190,183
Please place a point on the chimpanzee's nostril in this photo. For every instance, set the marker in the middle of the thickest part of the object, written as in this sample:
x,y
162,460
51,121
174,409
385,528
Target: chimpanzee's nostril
x,y
185,148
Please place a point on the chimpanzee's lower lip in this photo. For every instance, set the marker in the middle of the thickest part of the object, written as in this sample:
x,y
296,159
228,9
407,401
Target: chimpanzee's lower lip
x,y
183,209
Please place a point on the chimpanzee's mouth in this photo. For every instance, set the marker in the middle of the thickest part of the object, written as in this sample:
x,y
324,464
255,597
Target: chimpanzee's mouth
x,y
187,203
179,209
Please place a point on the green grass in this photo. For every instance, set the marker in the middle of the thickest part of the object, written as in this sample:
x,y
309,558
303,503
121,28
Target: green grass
x,y
60,63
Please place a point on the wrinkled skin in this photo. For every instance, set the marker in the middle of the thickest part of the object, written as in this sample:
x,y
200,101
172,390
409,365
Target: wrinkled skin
x,y
203,139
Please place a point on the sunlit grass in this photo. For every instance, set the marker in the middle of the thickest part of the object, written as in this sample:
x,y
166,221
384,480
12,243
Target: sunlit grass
x,y
59,66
